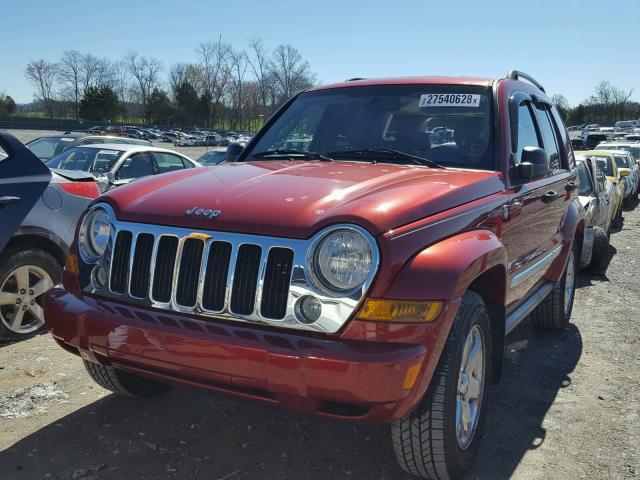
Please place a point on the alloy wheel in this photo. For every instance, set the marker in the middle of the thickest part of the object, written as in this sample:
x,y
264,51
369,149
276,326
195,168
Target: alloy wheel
x,y
21,299
470,387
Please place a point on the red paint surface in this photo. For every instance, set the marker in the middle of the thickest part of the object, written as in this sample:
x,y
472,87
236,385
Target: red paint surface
x,y
295,199
365,366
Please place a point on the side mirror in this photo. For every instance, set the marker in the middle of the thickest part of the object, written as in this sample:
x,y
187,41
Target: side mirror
x,y
233,152
534,164
105,181
624,173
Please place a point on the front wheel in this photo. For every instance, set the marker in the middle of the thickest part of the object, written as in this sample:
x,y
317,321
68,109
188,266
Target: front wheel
x,y
439,440
121,382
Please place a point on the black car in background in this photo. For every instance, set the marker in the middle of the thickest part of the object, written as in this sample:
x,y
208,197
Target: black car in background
x,y
591,140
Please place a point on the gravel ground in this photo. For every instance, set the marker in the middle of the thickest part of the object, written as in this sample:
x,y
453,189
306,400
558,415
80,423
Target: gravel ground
x,y
568,407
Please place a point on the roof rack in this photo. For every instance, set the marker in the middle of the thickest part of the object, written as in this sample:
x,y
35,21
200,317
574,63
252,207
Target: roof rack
x,y
354,79
517,75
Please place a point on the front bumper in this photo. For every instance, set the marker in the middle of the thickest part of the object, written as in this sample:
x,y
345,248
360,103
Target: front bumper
x,y
360,375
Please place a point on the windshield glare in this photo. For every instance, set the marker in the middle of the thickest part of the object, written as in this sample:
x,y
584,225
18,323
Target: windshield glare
x,y
93,160
449,125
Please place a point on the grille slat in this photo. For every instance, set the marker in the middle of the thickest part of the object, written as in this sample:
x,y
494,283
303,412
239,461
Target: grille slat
x,y
189,273
245,279
230,277
215,279
276,283
141,266
120,262
163,273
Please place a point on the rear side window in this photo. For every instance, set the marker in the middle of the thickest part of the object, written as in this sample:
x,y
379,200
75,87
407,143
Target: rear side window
x,y
136,166
168,162
527,135
549,139
562,130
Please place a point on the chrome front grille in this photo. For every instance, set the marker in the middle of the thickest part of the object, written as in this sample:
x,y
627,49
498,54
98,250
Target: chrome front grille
x,y
193,272
221,275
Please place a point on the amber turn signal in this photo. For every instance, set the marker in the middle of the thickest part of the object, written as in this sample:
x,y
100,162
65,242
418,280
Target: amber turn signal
x,y
400,311
71,265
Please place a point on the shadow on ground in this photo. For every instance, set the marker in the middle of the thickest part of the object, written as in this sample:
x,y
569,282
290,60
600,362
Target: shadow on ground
x,y
190,434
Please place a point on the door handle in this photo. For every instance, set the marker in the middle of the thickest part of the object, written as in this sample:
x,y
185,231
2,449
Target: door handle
x,y
549,196
569,187
8,200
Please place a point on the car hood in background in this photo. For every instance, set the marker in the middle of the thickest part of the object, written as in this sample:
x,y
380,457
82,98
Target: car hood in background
x,y
296,199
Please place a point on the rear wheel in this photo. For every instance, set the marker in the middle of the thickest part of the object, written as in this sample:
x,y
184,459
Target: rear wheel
x,y
439,440
555,310
25,275
121,382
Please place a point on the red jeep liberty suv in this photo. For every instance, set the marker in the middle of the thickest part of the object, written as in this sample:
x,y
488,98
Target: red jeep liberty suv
x,y
361,258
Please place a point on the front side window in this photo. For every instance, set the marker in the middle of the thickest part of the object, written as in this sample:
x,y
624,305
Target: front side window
x,y
527,135
605,165
586,188
448,125
549,139
621,161
136,166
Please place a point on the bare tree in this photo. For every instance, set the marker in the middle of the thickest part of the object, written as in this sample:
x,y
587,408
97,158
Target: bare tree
x,y
238,66
177,75
146,72
259,62
291,72
70,67
213,60
562,104
94,71
42,75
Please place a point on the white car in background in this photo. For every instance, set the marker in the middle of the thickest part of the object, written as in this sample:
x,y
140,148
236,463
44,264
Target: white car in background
x,y
118,164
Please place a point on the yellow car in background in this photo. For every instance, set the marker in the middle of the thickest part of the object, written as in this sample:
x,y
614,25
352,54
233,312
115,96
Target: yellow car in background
x,y
607,164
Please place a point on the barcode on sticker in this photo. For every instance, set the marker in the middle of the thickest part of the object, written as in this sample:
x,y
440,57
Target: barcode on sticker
x,y
449,100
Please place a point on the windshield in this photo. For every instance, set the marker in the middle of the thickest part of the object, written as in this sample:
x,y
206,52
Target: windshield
x,y
87,159
604,164
47,147
448,125
585,188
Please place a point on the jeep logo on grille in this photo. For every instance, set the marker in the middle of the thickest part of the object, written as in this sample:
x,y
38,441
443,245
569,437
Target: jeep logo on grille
x,y
204,212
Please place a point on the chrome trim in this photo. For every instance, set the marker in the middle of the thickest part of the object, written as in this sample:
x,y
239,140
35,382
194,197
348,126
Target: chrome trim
x,y
532,269
336,307
520,313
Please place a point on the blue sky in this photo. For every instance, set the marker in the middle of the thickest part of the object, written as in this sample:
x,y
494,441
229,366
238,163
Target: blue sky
x,y
568,45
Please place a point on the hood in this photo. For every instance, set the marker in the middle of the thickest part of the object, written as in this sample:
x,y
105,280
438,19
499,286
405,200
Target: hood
x,y
295,199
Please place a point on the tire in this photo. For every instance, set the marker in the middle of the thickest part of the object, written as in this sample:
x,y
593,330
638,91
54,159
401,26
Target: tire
x,y
25,275
600,253
617,220
426,442
123,383
554,312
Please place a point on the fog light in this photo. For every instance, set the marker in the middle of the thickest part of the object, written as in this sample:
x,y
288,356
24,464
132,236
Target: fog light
x,y
98,277
308,309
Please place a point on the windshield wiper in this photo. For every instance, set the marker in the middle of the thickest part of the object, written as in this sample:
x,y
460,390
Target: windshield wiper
x,y
292,154
384,153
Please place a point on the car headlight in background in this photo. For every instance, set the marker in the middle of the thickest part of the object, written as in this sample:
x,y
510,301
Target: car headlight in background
x,y
95,232
343,260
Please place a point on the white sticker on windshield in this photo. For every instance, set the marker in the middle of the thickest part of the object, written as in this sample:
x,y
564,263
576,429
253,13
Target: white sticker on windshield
x,y
449,100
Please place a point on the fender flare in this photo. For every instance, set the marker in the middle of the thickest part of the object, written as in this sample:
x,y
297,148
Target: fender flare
x,y
446,269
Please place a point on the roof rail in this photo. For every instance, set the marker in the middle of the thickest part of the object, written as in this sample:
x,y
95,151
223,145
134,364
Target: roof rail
x,y
517,75
354,79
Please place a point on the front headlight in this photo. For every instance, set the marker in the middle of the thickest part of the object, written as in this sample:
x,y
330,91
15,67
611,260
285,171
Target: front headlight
x,y
343,260
95,231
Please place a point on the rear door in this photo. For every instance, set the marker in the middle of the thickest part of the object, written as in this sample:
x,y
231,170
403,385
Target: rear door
x,y
23,179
